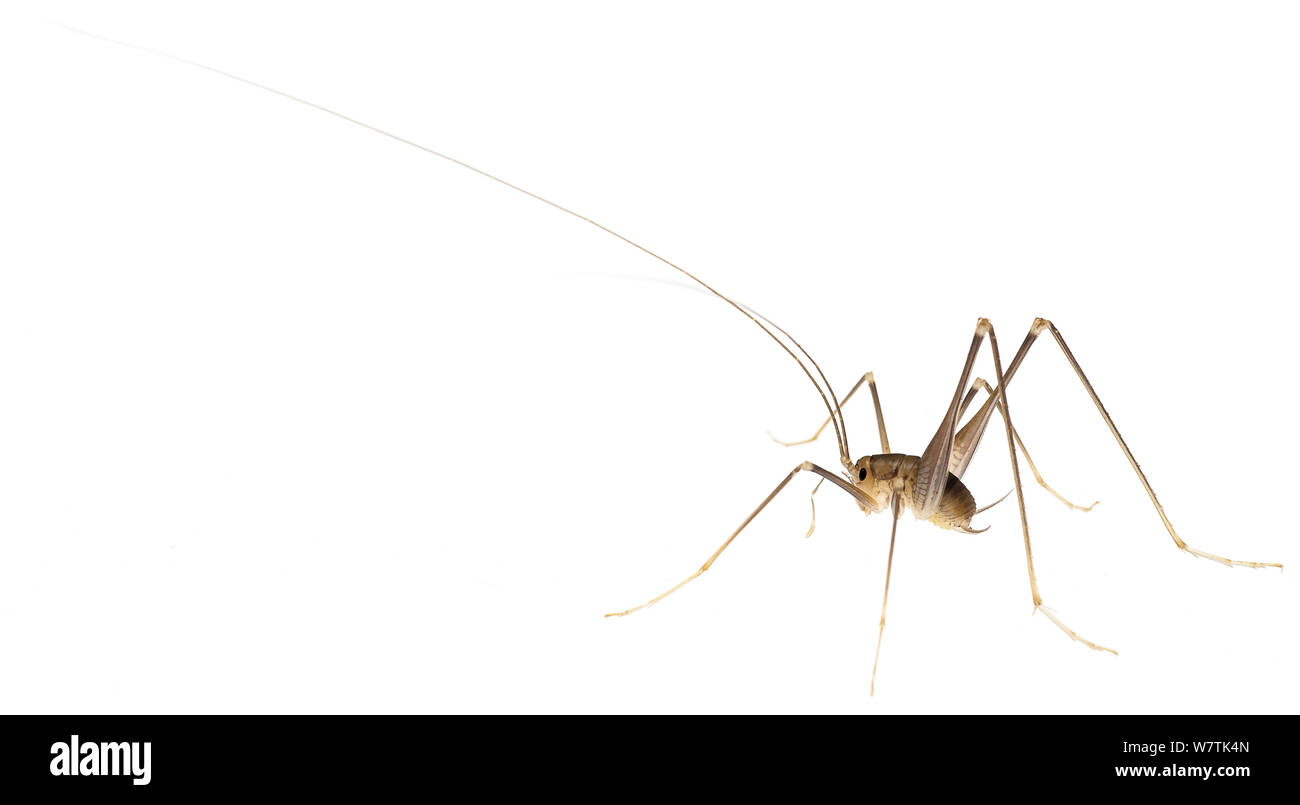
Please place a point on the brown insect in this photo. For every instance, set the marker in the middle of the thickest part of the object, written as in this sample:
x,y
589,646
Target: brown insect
x,y
929,484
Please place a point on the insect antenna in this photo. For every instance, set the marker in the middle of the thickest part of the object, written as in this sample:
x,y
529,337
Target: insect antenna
x,y
837,416
834,410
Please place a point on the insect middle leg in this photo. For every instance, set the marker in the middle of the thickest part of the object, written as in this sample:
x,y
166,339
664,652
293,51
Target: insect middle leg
x,y
897,508
978,384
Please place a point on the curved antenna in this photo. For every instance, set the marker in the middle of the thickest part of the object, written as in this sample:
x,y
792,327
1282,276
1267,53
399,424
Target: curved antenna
x,y
834,410
841,429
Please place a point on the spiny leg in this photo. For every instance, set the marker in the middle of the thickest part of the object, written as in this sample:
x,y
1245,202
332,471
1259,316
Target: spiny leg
x,y
1000,397
807,466
870,379
889,567
1043,324
978,384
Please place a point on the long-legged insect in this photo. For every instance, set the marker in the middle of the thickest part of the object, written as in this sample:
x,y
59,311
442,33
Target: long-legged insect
x,y
930,483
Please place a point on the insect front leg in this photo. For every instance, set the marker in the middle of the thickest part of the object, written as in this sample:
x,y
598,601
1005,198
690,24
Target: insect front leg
x,y
870,379
807,466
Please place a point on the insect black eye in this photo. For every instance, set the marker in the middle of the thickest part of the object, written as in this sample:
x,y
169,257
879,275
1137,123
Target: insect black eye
x,y
862,474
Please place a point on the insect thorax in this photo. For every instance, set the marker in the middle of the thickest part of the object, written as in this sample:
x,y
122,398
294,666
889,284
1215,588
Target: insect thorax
x,y
890,473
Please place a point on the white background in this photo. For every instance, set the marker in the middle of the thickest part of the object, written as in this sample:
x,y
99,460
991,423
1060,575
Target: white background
x,y
295,418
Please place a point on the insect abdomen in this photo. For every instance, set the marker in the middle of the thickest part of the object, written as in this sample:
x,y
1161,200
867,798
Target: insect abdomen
x,y
957,506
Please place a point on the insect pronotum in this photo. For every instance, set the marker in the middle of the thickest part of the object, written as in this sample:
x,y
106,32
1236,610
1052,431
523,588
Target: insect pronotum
x,y
926,481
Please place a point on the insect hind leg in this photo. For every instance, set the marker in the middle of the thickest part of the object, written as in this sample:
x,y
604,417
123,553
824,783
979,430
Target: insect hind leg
x,y
979,384
1039,326
1000,399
